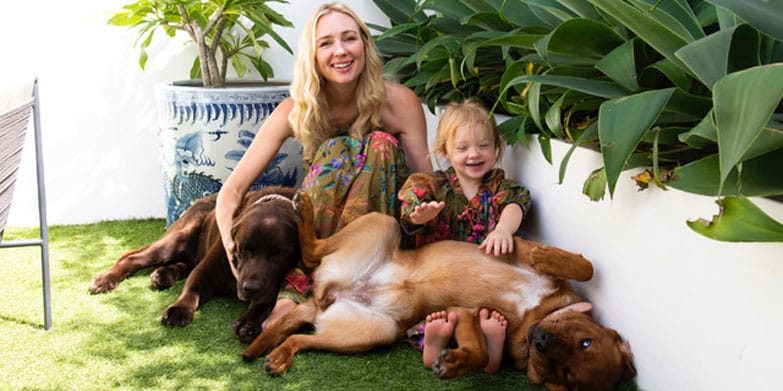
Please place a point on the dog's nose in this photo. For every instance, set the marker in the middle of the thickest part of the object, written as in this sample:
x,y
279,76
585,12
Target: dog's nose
x,y
251,286
541,340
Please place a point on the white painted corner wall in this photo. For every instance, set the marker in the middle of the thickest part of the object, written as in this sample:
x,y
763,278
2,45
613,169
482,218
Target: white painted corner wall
x,y
699,314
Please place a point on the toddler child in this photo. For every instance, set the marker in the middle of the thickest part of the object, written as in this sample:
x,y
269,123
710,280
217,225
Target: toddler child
x,y
470,201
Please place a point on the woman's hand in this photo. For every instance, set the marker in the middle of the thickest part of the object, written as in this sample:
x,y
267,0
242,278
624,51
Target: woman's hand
x,y
228,245
498,242
426,212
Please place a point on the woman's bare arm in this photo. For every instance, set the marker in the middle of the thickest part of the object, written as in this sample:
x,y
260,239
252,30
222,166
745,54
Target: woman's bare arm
x,y
402,116
273,132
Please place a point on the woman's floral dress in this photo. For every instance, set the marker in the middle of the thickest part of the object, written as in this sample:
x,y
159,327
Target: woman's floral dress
x,y
346,179
463,219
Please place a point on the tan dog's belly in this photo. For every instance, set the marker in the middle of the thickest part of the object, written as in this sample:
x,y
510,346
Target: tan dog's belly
x,y
408,285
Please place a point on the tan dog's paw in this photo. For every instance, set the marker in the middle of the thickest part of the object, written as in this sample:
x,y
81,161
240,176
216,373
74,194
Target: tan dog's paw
x,y
303,204
445,366
560,263
262,344
278,362
103,283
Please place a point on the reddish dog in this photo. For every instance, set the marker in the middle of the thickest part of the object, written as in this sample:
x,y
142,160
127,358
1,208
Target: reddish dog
x,y
368,292
267,247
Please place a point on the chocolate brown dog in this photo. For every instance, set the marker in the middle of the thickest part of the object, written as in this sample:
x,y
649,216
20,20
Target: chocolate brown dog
x,y
368,292
267,248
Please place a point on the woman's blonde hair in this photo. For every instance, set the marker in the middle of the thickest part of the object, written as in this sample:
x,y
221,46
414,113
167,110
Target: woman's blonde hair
x,y
470,113
309,117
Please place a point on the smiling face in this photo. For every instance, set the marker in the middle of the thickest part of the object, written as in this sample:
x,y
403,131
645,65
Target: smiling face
x,y
472,153
339,49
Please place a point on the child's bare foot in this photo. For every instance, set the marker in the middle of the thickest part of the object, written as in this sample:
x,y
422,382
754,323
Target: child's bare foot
x,y
493,326
437,334
282,307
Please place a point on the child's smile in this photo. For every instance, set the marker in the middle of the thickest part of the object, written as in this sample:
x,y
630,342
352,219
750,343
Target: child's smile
x,y
472,154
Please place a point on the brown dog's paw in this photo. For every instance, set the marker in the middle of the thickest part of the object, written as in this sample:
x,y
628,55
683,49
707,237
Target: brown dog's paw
x,y
277,362
247,329
163,277
176,316
103,283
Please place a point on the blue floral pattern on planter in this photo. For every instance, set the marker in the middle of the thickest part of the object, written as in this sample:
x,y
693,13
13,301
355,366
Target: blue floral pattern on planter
x,y
205,132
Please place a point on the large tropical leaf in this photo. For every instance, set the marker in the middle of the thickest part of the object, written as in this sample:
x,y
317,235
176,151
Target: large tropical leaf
x,y
604,89
744,103
672,15
519,14
621,125
708,58
584,38
620,66
454,9
676,74
751,178
682,11
401,11
550,12
581,8
648,29
765,15
588,136
739,220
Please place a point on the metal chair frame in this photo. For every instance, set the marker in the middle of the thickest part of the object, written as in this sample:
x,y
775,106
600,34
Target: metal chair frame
x,y
43,240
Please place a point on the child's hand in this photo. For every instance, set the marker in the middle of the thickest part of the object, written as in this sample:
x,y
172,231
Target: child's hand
x,y
426,212
498,242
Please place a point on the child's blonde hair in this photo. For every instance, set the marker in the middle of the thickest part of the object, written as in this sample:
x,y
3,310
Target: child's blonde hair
x,y
309,117
471,113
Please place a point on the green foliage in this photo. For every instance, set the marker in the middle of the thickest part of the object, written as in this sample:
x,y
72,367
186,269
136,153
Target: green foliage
x,y
689,90
115,341
224,31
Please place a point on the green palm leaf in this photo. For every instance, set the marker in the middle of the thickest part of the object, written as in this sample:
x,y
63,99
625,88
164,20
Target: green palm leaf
x,y
765,15
739,220
621,125
744,103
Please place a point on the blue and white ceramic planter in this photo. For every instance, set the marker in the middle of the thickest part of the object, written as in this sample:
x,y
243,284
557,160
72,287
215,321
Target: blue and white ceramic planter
x,y
205,131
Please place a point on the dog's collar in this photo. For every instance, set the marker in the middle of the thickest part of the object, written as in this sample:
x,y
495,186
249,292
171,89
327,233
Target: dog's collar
x,y
270,197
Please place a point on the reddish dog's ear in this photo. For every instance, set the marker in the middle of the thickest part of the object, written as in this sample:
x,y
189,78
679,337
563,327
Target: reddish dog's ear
x,y
625,350
581,306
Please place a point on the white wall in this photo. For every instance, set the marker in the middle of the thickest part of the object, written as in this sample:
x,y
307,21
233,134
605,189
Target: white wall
x,y
98,118
699,314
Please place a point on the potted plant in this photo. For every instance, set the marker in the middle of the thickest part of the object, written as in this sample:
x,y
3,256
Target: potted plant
x,y
207,123
688,91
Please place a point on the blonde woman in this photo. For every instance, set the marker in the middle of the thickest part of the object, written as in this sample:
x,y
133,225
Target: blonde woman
x,y
359,134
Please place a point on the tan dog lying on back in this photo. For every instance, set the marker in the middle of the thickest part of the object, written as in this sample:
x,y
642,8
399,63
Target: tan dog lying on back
x,y
368,292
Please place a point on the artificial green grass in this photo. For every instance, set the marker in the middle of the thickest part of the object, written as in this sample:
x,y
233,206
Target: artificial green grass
x,y
115,340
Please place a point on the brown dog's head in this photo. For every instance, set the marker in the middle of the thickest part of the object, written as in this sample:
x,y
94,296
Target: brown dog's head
x,y
569,350
266,245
